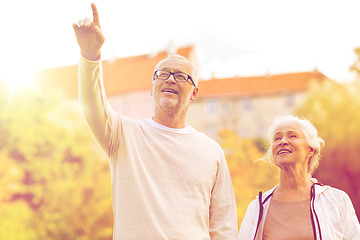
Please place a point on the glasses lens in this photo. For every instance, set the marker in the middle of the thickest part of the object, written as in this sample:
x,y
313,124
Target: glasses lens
x,y
181,77
162,74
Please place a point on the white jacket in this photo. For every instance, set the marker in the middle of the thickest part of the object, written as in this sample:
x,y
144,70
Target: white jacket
x,y
331,209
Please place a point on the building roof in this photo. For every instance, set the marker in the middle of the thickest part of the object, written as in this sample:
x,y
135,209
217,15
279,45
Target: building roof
x,y
290,82
129,74
120,75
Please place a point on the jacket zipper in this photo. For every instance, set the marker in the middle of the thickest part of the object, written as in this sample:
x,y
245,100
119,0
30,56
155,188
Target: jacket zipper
x,y
312,211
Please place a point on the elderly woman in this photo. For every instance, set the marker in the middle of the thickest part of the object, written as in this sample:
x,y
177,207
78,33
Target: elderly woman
x,y
298,207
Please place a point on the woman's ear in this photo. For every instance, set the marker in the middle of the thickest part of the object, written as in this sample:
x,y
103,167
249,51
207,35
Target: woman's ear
x,y
311,152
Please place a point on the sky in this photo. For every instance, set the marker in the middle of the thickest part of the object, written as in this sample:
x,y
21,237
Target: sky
x,y
231,37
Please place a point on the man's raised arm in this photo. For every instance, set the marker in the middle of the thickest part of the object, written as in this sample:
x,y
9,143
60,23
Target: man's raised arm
x,y
98,113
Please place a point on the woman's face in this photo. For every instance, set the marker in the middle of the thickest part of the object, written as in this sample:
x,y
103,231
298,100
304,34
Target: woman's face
x,y
289,147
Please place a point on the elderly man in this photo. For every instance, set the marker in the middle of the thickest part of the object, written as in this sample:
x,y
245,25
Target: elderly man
x,y
169,181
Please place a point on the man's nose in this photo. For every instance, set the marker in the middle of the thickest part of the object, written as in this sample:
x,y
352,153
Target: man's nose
x,y
171,79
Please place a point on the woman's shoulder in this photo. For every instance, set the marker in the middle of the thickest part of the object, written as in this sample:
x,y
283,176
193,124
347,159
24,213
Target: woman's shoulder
x,y
268,193
333,194
264,196
329,190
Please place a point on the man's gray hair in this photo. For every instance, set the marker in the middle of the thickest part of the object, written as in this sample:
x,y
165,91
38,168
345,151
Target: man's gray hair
x,y
194,72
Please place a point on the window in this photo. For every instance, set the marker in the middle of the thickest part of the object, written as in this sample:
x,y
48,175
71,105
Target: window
x,y
225,109
212,131
247,104
289,100
211,106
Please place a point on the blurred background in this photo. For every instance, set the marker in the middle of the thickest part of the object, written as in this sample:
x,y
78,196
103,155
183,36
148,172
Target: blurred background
x,y
257,59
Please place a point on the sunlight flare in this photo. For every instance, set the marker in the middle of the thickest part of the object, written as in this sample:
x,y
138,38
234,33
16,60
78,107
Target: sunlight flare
x,y
17,78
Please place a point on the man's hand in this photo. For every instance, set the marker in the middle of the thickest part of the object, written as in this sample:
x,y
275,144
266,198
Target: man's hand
x,y
89,36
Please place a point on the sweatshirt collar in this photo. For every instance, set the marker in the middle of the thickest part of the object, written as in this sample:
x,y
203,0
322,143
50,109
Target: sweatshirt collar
x,y
185,130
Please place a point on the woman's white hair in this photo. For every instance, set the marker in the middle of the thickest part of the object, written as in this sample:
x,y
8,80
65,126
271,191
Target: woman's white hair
x,y
311,138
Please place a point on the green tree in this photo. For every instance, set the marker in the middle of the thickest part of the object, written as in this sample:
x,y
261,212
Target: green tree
x,y
55,178
335,111
249,173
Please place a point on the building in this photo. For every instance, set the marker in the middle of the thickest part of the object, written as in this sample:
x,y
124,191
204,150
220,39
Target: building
x,y
245,105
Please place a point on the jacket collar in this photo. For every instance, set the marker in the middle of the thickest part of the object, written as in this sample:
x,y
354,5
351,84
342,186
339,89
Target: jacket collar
x,y
318,189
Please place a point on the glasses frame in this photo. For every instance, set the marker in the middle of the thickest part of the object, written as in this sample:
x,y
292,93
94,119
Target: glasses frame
x,y
172,73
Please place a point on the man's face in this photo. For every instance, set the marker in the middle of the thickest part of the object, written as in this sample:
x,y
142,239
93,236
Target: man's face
x,y
170,94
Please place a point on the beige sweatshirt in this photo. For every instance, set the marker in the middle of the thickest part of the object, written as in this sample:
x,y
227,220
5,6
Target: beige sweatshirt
x,y
166,183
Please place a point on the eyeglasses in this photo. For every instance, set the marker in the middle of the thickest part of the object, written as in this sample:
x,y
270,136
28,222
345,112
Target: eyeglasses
x,y
179,76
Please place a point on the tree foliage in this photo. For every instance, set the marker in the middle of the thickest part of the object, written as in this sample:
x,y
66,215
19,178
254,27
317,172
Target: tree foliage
x,y
55,183
335,111
55,178
249,173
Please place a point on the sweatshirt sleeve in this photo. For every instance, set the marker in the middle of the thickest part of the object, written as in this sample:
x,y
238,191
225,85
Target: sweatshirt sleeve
x,y
223,214
98,112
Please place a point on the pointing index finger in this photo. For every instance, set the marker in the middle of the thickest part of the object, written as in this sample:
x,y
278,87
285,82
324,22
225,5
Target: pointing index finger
x,y
95,14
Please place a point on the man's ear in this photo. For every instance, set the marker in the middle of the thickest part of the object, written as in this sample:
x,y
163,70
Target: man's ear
x,y
194,93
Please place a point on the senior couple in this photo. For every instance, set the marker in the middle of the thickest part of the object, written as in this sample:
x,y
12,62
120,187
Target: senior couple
x,y
170,181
